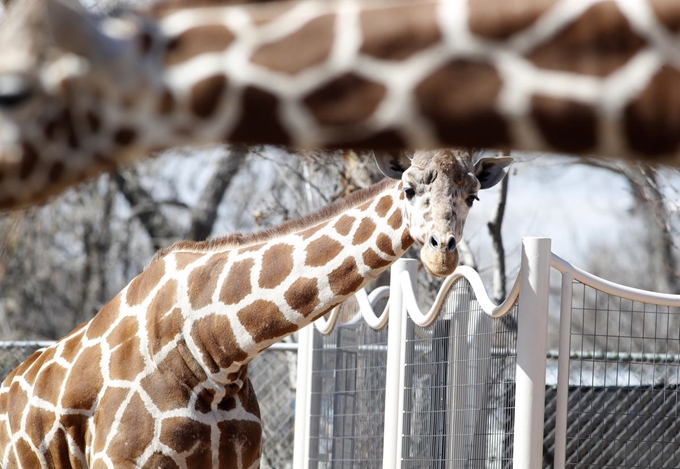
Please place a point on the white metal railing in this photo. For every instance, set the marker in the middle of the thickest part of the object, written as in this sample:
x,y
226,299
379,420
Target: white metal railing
x,y
531,290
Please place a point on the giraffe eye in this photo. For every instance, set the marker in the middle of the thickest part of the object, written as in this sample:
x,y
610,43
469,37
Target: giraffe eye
x,y
471,199
409,192
13,91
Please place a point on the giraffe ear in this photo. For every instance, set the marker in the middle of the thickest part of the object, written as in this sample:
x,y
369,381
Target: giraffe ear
x,y
392,163
75,30
490,171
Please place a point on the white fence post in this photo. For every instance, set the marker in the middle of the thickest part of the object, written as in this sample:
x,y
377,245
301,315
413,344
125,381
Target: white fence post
x,y
394,377
563,372
302,398
531,353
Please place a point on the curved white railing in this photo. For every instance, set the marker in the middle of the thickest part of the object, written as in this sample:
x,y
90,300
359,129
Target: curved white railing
x,y
629,293
462,272
366,302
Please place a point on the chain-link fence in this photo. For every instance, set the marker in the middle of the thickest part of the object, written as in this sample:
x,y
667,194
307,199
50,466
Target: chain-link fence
x,y
272,374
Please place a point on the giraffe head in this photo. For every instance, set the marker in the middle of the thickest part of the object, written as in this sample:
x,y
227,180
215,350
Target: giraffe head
x,y
438,190
57,64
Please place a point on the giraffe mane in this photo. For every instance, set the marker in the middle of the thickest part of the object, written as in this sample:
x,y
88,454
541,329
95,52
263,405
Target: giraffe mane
x,y
291,226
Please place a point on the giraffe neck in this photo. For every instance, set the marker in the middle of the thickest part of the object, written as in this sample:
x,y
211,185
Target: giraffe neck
x,y
237,298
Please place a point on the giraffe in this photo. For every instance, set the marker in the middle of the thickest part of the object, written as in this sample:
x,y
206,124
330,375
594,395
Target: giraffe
x,y
80,94
159,377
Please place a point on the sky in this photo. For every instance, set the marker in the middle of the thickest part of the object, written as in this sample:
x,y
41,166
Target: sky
x,y
577,207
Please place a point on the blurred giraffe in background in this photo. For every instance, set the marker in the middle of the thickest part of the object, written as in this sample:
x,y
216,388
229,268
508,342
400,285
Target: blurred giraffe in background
x,y
80,94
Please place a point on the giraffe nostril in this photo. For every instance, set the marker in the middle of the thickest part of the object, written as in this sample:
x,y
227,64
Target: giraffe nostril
x,y
451,245
434,242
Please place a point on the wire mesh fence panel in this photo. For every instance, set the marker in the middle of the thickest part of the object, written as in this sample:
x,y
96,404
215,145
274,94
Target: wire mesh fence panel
x,y
460,387
273,374
624,373
348,394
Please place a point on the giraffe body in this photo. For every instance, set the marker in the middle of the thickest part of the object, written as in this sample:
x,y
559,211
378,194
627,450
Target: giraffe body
x,y
159,377
575,76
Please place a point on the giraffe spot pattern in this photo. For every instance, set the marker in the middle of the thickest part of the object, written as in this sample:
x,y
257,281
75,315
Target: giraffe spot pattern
x,y
237,284
661,98
52,373
384,243
303,295
384,139
37,433
162,383
126,362
94,122
373,260
58,449
197,41
166,462
39,362
321,251
406,240
312,43
500,20
206,95
460,99
183,259
139,430
166,103
204,401
110,402
383,206
126,329
346,278
29,160
277,264
162,329
398,33
218,343
599,42
56,171
271,12
202,281
348,99
124,136
164,299
259,122
103,321
85,380
182,433
364,231
557,118
667,14
241,440
309,232
344,225
395,220
276,324
142,285
19,400
75,426
26,456
72,342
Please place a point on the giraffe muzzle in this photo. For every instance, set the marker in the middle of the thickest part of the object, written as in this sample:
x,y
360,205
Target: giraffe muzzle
x,y
435,243
439,262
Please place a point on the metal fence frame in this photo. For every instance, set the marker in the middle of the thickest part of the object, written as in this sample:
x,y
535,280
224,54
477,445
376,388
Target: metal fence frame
x,y
532,291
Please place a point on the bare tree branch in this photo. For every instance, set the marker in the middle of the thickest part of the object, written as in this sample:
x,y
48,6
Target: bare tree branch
x,y
495,225
159,227
205,212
